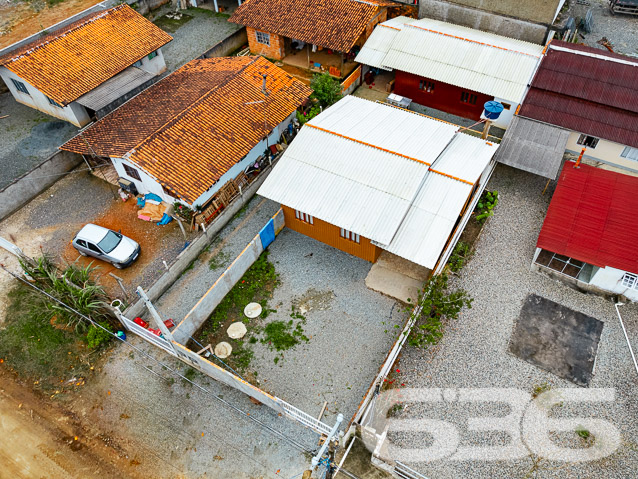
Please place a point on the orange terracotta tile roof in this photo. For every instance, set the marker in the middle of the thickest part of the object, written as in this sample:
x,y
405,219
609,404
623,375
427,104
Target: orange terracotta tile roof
x,y
190,128
334,24
72,61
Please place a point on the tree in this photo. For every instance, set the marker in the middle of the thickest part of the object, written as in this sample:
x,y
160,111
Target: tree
x,y
327,90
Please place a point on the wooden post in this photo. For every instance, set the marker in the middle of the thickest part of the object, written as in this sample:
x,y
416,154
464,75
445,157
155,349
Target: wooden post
x,y
486,129
308,50
341,74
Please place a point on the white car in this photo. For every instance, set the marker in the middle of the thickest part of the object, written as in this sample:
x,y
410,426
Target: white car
x,y
107,245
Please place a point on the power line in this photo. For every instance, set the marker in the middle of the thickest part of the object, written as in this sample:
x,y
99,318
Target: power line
x,y
273,431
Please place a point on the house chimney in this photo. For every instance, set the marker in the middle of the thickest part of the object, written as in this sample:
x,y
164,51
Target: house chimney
x,y
263,86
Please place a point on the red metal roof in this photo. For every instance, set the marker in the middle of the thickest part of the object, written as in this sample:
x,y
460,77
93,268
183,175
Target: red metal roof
x,y
592,218
597,95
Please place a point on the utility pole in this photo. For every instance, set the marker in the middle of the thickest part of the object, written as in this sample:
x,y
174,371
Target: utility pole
x,y
156,317
328,443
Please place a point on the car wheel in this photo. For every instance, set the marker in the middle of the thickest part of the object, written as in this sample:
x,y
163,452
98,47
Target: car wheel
x,y
118,265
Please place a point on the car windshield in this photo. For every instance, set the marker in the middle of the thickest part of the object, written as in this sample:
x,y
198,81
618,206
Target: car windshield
x,y
110,241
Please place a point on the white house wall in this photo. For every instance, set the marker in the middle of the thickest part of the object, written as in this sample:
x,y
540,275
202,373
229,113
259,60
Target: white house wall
x,y
506,116
606,155
148,184
251,157
156,65
73,113
610,279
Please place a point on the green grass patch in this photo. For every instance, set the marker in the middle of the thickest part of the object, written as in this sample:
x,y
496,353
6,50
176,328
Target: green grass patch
x,y
282,335
220,260
208,13
171,25
35,349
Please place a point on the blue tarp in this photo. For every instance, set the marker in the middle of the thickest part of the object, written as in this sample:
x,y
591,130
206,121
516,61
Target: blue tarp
x,y
267,234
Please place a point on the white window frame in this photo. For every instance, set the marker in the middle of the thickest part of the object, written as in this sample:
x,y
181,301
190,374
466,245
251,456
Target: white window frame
x,y
630,153
630,280
583,137
305,217
349,235
20,86
262,37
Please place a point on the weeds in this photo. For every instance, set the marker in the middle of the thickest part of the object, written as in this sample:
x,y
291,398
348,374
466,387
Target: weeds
x,y
220,260
97,337
540,389
394,410
437,305
485,207
461,254
583,433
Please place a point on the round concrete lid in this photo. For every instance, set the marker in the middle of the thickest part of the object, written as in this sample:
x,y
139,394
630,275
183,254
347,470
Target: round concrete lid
x,y
236,330
252,310
223,350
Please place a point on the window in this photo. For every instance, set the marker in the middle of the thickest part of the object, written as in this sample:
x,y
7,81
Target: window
x,y
138,64
349,235
263,38
588,141
152,55
21,87
54,103
468,98
560,263
630,153
506,106
110,241
94,248
427,86
630,281
305,217
132,172
82,243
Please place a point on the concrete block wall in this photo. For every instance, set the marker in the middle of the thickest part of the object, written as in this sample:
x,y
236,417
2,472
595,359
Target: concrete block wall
x,y
23,189
228,44
274,51
515,26
216,293
210,369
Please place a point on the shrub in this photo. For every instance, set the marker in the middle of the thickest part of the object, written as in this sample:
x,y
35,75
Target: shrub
x,y
485,206
97,337
326,89
436,305
462,253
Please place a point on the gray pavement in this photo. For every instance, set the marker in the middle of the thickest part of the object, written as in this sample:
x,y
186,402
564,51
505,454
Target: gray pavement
x,y
27,137
474,350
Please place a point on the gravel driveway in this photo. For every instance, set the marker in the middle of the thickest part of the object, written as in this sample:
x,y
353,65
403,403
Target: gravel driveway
x,y
474,350
27,137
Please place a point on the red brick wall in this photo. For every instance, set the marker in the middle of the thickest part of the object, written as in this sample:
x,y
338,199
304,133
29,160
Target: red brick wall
x,y
445,97
275,50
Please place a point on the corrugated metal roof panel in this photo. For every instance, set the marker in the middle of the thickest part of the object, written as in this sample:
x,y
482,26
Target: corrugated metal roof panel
x,y
430,220
354,166
588,91
379,42
465,158
386,127
114,88
348,184
592,218
533,146
465,57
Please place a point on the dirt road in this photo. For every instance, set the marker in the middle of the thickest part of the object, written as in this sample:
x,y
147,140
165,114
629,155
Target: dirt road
x,y
39,440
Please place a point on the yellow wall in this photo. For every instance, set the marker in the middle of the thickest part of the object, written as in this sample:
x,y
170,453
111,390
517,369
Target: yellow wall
x,y
331,235
606,155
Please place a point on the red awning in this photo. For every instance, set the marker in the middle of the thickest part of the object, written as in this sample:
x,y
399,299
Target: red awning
x,y
593,217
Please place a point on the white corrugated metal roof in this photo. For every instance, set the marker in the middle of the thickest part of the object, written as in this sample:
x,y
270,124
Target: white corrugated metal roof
x,y
363,166
461,56
426,228
378,43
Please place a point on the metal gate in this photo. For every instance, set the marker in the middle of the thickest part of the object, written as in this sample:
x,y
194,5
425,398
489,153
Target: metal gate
x,y
405,472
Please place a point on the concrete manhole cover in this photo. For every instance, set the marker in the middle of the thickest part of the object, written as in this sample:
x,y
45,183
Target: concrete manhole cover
x,y
236,330
223,350
252,310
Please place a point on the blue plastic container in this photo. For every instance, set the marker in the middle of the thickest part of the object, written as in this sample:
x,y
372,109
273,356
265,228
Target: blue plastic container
x,y
492,110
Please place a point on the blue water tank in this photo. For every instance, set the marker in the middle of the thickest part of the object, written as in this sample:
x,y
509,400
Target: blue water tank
x,y
492,109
